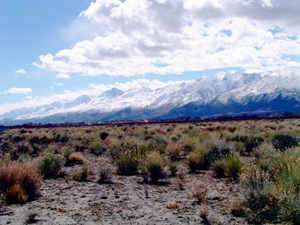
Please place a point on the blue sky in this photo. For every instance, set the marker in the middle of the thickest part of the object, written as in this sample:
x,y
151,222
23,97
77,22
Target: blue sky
x,y
54,50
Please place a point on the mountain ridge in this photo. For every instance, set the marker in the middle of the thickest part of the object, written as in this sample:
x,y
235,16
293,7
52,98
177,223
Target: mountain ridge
x,y
225,92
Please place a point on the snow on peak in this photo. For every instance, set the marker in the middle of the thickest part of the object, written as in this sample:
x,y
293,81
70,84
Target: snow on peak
x,y
220,75
223,85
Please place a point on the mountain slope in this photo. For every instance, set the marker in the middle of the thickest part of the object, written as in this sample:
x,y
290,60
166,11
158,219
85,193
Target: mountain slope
x,y
230,93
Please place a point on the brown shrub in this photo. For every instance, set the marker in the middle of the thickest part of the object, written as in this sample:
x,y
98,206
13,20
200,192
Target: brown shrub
x,y
41,138
174,149
76,158
19,181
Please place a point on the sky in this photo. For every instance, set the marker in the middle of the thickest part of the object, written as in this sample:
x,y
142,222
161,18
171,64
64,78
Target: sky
x,y
54,50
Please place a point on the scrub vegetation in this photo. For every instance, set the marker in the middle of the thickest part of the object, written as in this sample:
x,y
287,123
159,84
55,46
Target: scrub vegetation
x,y
261,157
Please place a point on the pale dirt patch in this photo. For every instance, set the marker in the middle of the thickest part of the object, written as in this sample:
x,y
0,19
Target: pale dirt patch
x,y
127,200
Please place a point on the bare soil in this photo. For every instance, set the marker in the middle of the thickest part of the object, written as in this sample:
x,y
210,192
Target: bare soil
x,y
128,200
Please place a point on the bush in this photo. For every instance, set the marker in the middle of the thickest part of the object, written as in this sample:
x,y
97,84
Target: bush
x,y
290,208
153,164
105,171
219,168
265,150
173,149
196,159
127,164
19,181
97,147
82,173
260,195
283,141
41,138
103,135
50,164
76,158
218,149
66,152
232,165
173,168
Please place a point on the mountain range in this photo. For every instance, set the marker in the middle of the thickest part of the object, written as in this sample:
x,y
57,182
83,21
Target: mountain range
x,y
231,93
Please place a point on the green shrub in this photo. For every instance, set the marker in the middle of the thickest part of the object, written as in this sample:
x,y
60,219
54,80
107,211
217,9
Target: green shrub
x,y
105,171
219,168
265,150
50,164
218,149
260,196
196,159
66,152
19,181
283,141
153,164
290,208
173,168
232,165
240,147
127,163
97,147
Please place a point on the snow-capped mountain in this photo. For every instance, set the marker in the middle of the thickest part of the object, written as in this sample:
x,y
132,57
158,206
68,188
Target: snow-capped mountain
x,y
232,93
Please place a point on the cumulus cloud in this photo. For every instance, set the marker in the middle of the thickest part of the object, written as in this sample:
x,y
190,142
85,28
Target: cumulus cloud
x,y
20,71
15,90
174,36
63,75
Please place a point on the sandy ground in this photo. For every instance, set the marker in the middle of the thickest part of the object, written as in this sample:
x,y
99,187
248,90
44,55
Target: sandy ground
x,y
127,200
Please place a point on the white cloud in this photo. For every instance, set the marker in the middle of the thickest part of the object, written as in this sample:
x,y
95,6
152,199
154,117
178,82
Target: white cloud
x,y
63,75
60,84
174,36
14,90
20,71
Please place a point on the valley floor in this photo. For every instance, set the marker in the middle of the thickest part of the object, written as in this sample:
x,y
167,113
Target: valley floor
x,y
127,200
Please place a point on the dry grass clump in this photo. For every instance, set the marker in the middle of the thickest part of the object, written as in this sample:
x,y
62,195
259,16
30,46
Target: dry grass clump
x,y
203,211
76,158
19,181
199,190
